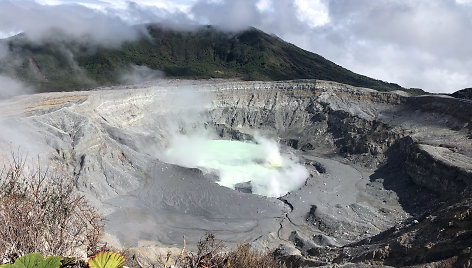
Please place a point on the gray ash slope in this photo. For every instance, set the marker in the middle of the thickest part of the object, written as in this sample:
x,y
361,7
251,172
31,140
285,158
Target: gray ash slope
x,y
377,161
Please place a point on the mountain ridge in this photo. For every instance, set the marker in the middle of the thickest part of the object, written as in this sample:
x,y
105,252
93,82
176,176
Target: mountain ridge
x,y
465,93
202,53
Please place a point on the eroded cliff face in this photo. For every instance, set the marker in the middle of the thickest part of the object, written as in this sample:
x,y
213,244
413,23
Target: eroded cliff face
x,y
307,115
375,160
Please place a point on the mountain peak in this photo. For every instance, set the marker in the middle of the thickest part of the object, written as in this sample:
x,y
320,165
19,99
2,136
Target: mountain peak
x,y
198,52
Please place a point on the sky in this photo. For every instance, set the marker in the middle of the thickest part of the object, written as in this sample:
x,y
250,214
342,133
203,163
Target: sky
x,y
417,44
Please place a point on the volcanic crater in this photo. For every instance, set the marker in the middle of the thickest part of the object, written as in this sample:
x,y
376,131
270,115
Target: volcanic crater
x,y
350,163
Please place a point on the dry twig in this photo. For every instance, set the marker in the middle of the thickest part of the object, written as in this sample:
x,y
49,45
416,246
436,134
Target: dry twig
x,y
41,212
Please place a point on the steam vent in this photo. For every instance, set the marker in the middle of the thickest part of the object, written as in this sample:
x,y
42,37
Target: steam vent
x,y
318,171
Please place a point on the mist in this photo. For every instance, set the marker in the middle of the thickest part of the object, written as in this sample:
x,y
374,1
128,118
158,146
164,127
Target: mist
x,y
137,74
3,50
18,137
10,87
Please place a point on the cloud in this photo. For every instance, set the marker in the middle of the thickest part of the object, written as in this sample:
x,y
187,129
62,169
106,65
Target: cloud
x,y
420,43
413,43
433,26
136,14
312,12
74,20
229,15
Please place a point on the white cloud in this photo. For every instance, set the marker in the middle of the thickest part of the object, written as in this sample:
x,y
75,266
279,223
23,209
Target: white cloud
x,y
312,12
6,34
464,2
171,6
264,5
74,20
403,42
228,15
50,2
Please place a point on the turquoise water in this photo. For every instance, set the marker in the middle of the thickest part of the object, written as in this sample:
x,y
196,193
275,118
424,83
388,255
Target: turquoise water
x,y
270,172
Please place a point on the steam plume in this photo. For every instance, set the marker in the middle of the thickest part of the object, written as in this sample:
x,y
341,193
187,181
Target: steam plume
x,y
10,87
138,74
192,144
270,172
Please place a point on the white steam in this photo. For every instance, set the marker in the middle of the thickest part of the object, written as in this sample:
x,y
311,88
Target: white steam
x,y
138,74
185,137
19,137
270,172
10,87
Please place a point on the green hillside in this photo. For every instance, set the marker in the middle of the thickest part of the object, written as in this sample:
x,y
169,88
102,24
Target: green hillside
x,y
465,93
204,53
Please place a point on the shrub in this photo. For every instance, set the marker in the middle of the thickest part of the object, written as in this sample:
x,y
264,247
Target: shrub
x,y
211,253
41,212
245,256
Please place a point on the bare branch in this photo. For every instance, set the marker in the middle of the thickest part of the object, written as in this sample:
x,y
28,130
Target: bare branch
x,y
41,212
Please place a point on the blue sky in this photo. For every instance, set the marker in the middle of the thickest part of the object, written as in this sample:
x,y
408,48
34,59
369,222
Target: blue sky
x,y
421,43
